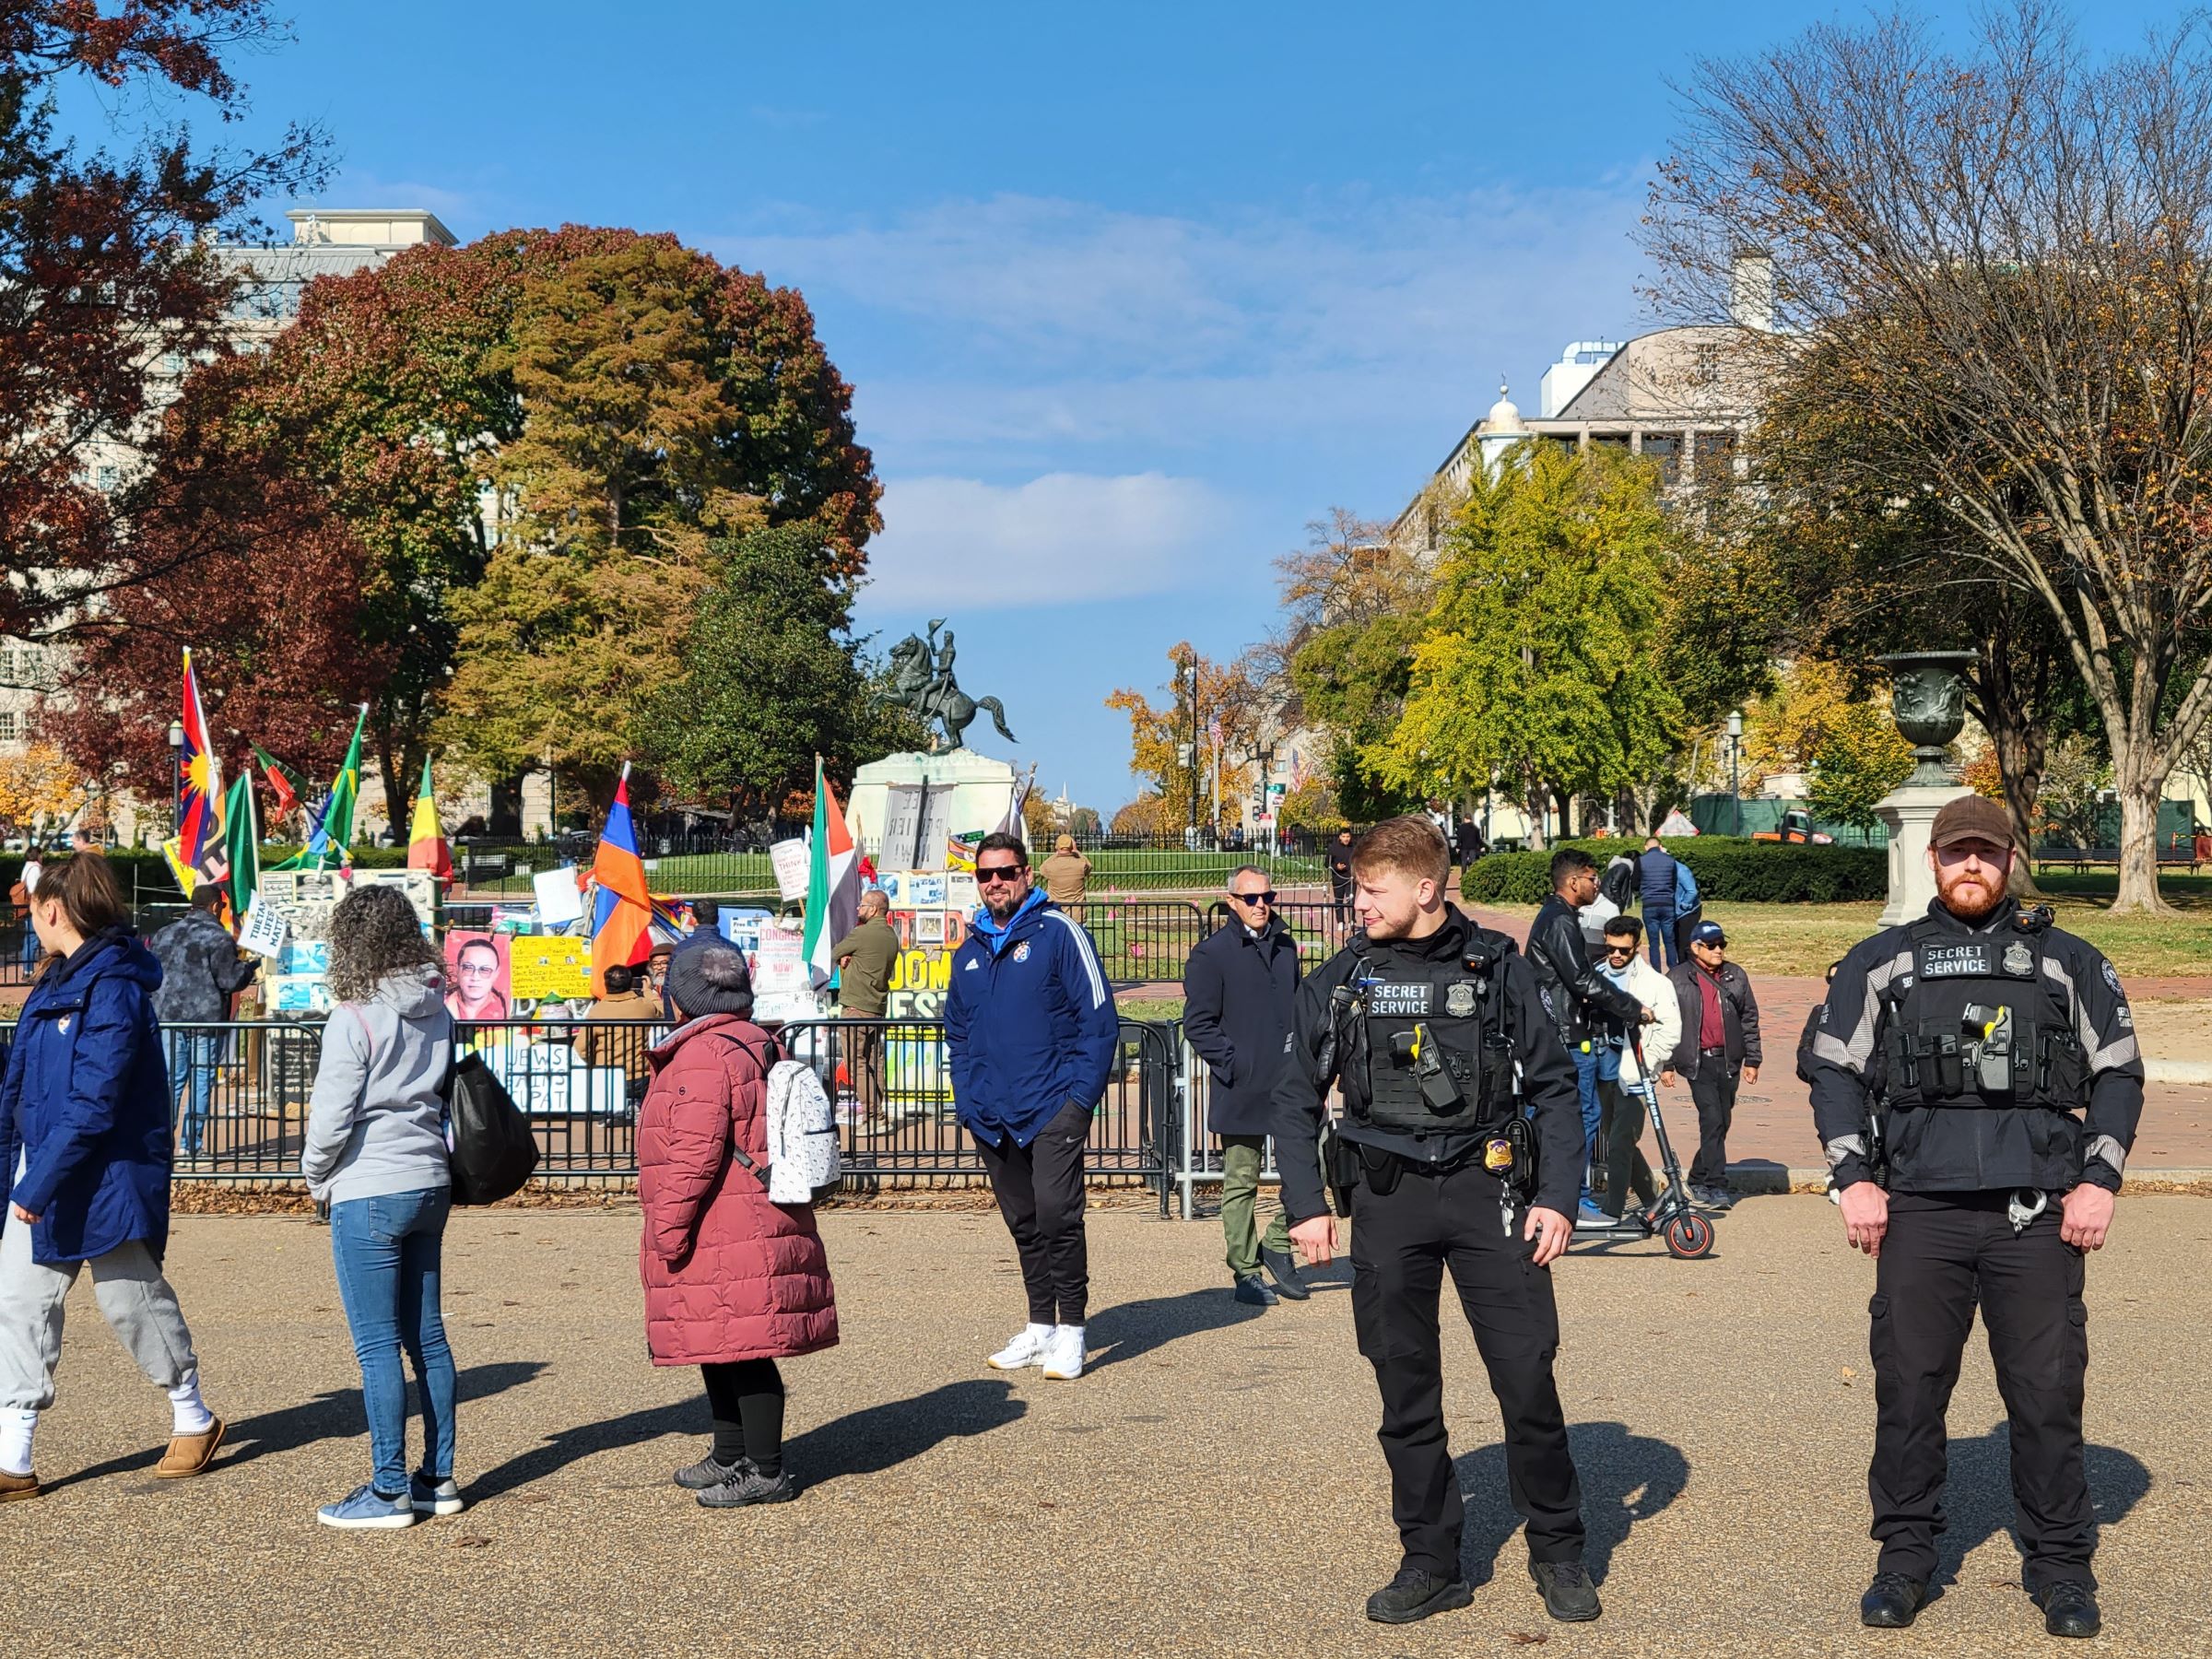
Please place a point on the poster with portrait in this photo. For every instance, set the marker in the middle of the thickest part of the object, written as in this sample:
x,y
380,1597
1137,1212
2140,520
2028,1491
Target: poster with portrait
x,y
478,967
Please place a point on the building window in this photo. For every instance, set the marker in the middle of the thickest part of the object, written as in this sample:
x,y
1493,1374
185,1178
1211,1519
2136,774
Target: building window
x,y
1716,455
105,478
1667,449
8,726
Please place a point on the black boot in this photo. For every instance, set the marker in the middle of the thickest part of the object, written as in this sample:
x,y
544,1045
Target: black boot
x,y
1282,1267
1892,1601
1568,1596
1415,1594
2070,1608
1252,1292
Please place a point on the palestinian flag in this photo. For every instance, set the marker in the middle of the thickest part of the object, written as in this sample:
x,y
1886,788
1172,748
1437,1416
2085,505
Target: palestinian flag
x,y
832,880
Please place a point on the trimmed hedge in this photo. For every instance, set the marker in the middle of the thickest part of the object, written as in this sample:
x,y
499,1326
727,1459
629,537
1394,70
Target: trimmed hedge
x,y
1729,870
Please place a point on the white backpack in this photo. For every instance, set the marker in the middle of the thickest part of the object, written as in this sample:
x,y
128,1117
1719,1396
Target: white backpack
x,y
802,1162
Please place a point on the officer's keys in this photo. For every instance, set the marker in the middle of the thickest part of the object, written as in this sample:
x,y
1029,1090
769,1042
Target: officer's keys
x,y
1991,1029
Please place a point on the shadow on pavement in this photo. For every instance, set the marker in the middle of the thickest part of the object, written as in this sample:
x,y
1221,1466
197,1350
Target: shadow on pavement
x,y
337,1414
1626,1478
1978,1495
1130,1330
862,1442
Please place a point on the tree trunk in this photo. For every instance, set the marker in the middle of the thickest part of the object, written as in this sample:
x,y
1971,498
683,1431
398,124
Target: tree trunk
x,y
1532,808
2021,772
2138,784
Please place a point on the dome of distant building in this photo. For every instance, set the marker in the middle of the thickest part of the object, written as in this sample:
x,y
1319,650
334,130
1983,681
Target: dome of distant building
x,y
1505,416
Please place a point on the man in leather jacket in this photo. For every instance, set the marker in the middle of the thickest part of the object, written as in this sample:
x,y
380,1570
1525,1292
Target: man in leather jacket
x,y
1578,997
1952,1058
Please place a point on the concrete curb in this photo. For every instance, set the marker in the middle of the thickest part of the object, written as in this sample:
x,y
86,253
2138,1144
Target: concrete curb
x,y
2177,1071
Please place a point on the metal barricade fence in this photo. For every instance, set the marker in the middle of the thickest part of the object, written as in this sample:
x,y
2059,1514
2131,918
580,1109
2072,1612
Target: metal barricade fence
x,y
240,1091
1143,938
1199,1149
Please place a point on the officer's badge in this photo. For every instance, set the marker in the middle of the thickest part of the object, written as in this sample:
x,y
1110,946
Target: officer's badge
x,y
1498,1156
1459,999
1022,951
2018,959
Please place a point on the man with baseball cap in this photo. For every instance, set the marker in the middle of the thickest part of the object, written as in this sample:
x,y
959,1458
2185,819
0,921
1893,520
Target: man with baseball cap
x,y
1719,1048
1976,1084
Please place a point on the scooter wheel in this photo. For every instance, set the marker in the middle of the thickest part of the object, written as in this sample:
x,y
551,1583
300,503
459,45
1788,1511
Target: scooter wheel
x,y
1688,1237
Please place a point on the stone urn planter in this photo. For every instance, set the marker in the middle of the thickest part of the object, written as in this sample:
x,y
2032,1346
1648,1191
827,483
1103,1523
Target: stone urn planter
x,y
1927,700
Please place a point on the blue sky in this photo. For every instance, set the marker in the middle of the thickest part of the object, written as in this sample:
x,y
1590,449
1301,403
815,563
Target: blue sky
x,y
1129,294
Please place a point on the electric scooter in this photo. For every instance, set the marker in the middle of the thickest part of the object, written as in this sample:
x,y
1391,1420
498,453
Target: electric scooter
x,y
1687,1232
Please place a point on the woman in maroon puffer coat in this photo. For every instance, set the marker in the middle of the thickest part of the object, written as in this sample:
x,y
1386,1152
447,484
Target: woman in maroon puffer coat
x,y
733,1283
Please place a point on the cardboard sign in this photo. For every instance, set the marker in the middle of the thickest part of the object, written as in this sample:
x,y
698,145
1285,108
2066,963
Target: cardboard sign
x,y
789,860
543,965
558,898
265,929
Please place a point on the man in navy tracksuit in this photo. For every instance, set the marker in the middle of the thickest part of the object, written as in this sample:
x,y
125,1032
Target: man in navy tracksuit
x,y
1030,1031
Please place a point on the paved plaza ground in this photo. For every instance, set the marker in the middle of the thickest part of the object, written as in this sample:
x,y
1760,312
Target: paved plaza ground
x,y
1212,1487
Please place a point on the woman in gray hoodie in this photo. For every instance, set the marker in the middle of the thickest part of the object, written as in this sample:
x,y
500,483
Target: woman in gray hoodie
x,y
376,1154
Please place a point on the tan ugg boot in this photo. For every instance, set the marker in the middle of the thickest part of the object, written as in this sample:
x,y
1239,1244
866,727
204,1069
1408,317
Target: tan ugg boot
x,y
16,1486
189,1453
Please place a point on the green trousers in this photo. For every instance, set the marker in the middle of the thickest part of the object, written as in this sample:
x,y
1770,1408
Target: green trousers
x,y
1242,1157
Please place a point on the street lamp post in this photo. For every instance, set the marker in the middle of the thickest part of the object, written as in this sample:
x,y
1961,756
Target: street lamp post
x,y
176,776
1262,755
1190,668
1735,787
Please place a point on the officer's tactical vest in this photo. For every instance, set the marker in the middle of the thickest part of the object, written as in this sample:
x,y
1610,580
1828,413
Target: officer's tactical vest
x,y
1977,1023
1443,1018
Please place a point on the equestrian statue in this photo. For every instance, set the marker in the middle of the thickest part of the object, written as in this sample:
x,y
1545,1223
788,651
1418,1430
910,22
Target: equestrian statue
x,y
922,681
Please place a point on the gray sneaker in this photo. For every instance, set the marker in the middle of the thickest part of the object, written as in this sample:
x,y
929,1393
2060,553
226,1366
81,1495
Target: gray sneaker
x,y
706,1472
748,1486
429,1497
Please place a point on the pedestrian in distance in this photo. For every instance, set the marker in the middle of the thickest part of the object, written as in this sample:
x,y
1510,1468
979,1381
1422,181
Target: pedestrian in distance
x,y
1425,1021
20,895
85,1144
1719,1049
1340,875
1581,1001
1656,877
201,970
1238,987
706,926
375,1153
733,1282
615,1033
1976,1082
1030,1036
1470,844
864,959
1622,1078
1067,877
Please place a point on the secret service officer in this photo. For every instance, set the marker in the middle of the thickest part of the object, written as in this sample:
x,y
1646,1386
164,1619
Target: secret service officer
x,y
1976,1084
1422,1020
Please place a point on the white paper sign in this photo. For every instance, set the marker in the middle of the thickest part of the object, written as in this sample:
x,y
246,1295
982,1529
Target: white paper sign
x,y
265,929
558,903
790,862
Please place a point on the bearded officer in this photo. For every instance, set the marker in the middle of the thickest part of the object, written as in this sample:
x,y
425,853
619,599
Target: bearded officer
x,y
1976,1083
1424,1019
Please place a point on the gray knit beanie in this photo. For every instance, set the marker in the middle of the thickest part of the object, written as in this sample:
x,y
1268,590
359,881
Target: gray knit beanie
x,y
711,979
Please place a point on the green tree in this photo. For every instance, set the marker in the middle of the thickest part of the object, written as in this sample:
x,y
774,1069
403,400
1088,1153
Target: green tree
x,y
770,677
1861,760
1541,664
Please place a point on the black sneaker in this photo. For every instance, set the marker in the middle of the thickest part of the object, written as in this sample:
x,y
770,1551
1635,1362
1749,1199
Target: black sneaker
x,y
1568,1596
1253,1292
1415,1594
1892,1601
748,1486
706,1472
2070,1608
1282,1267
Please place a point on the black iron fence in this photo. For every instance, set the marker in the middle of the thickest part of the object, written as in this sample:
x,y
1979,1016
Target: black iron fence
x,y
1151,940
242,1089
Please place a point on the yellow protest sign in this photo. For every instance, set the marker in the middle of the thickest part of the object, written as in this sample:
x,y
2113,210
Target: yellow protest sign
x,y
551,965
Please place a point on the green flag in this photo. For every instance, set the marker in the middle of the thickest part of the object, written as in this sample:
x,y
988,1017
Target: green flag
x,y
330,845
242,834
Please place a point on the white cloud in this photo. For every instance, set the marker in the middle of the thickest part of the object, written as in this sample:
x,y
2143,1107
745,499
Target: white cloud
x,y
966,544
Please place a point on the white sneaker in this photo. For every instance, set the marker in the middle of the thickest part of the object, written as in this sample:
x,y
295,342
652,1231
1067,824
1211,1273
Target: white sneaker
x,y
1027,1349
1064,1356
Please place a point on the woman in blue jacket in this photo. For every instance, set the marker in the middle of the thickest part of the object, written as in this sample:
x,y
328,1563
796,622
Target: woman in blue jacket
x,y
85,1143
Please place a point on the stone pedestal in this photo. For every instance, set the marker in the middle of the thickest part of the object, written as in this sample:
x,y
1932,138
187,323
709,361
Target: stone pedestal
x,y
1911,814
981,790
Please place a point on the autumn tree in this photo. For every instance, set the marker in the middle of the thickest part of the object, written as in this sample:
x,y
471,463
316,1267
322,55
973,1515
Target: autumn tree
x,y
1998,259
1539,668
106,260
40,785
1232,711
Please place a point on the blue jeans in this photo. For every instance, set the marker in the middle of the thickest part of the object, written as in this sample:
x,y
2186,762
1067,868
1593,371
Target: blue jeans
x,y
387,1252
1659,923
201,1053
1585,1083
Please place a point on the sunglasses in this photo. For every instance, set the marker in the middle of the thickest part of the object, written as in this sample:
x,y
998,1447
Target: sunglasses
x,y
997,873
1623,950
1265,898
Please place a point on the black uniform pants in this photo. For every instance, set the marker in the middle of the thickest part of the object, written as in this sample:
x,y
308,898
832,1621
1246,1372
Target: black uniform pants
x,y
1040,1192
1713,1092
1402,1242
1943,1254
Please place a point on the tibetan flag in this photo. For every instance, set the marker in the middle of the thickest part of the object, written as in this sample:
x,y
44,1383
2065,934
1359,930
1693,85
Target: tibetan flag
x,y
425,841
284,783
330,843
242,823
832,880
622,908
199,782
